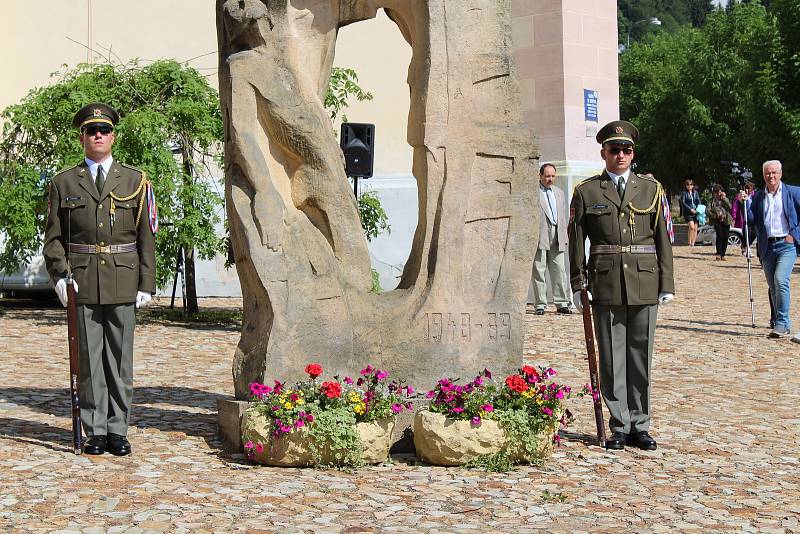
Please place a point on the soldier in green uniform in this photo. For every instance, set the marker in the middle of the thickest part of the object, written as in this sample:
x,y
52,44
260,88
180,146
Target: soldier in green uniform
x,y
101,226
629,273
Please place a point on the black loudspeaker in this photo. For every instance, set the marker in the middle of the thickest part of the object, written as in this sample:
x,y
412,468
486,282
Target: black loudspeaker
x,y
358,144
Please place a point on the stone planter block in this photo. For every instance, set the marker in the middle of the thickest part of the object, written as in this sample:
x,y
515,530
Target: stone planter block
x,y
291,450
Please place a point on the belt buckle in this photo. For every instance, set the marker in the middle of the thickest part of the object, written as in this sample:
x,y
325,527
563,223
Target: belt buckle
x,y
102,250
624,248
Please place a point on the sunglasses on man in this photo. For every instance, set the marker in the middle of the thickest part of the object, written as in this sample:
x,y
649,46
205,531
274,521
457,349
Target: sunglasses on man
x,y
617,149
92,130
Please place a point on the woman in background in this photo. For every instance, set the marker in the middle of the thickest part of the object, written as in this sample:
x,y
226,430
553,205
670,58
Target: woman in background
x,y
719,214
689,201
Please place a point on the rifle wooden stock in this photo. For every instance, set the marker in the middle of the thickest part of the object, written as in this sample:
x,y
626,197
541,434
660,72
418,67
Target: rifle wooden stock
x,y
74,373
594,376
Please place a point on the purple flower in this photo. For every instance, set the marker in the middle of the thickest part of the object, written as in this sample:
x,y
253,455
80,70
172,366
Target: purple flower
x,y
397,408
430,394
348,380
487,374
457,409
547,411
475,421
478,380
249,445
409,390
381,375
487,408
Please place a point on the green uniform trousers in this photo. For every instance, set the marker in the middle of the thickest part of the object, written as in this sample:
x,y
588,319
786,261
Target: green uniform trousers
x,y
625,342
105,335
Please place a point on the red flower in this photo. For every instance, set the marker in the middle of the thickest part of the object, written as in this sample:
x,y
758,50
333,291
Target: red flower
x,y
313,370
527,370
332,390
516,383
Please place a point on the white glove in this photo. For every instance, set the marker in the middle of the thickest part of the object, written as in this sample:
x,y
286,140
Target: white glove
x,y
61,290
665,298
142,299
576,299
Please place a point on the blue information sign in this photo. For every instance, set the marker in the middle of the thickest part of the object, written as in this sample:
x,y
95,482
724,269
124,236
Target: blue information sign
x,y
590,105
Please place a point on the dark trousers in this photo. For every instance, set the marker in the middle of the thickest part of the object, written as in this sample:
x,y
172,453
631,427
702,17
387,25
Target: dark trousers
x,y
723,231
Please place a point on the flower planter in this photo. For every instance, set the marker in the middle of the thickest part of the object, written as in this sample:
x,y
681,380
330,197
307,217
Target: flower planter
x,y
440,440
291,450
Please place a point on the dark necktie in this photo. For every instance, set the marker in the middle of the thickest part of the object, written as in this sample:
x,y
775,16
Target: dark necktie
x,y
100,179
621,186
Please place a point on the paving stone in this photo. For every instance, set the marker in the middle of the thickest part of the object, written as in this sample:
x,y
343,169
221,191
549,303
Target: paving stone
x,y
724,400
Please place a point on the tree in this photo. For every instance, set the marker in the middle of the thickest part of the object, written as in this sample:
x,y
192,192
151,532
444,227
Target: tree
x,y
673,14
721,92
170,127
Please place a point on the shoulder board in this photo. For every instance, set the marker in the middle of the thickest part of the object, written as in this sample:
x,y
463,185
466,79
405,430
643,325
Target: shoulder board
x,y
131,167
648,178
588,181
66,169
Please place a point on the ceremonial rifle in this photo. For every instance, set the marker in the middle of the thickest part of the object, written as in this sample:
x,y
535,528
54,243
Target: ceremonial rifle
x,y
594,376
74,375
72,334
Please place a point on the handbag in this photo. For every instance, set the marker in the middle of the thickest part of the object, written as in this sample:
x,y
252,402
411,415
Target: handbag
x,y
701,214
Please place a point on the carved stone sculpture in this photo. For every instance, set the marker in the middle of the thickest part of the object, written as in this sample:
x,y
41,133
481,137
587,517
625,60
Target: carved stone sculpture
x,y
300,252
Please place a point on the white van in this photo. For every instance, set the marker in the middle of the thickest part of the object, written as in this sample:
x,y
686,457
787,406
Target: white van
x,y
30,277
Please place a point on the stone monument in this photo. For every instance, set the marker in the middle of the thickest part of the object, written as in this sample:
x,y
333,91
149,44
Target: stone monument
x,y
299,248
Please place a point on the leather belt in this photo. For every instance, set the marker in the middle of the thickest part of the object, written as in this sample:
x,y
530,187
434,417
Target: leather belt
x,y
617,249
80,248
775,239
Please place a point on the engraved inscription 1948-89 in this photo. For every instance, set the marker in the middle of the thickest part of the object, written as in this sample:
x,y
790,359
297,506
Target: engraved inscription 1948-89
x,y
465,327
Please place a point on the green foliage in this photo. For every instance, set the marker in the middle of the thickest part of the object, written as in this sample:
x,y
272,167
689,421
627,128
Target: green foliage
x,y
722,92
204,317
673,14
162,106
373,217
335,430
376,281
342,85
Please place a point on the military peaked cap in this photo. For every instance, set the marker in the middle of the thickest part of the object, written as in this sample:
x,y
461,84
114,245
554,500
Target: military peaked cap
x,y
95,112
620,132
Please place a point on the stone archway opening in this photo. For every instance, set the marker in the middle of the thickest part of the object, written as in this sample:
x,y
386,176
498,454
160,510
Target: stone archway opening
x,y
384,74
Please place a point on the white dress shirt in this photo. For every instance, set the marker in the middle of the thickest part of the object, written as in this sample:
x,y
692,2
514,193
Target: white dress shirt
x,y
551,200
774,219
93,166
615,177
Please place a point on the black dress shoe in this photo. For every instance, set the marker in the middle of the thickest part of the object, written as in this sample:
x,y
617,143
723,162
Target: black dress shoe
x,y
118,445
617,441
95,445
564,310
642,440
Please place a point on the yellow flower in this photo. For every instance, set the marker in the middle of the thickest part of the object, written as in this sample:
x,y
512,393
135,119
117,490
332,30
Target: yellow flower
x,y
300,402
288,405
528,393
354,397
360,408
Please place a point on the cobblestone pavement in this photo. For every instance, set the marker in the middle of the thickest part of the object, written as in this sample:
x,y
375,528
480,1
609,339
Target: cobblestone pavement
x,y
725,404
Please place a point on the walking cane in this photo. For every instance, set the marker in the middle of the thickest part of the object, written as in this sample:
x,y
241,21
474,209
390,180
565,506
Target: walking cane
x,y
748,255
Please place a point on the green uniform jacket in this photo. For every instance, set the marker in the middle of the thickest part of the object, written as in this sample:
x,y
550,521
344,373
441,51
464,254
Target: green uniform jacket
x,y
598,213
77,208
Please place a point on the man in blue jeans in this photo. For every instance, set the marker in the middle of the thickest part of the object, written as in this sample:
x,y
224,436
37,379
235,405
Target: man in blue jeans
x,y
774,212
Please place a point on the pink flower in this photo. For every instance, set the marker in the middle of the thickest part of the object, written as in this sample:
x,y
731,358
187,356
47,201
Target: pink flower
x,y
487,374
348,380
487,408
547,411
299,423
430,394
259,447
409,390
559,394
478,380
294,397
475,421
248,445
381,375
397,408
457,409
310,418
367,370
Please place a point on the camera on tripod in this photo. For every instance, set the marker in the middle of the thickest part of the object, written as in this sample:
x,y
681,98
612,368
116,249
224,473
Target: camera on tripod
x,y
739,172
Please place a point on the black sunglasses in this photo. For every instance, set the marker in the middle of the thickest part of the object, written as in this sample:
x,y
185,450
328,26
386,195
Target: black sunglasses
x,y
92,130
617,149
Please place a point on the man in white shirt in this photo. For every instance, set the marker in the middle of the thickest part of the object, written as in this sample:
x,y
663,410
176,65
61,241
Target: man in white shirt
x,y
774,213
